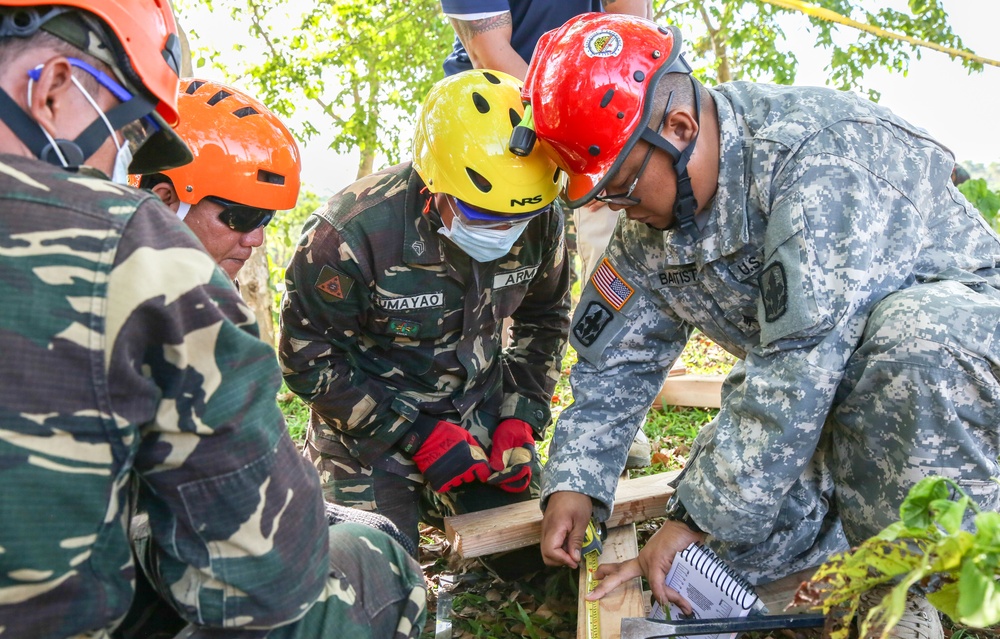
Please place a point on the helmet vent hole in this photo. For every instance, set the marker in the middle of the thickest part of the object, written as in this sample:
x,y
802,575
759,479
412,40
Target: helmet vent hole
x,y
218,97
556,176
515,118
270,178
607,98
194,86
492,79
245,111
482,105
479,181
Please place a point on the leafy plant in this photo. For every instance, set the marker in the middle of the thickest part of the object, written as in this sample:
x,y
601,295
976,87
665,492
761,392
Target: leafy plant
x,y
926,548
987,201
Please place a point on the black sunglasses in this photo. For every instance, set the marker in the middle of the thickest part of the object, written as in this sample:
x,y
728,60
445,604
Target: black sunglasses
x,y
242,218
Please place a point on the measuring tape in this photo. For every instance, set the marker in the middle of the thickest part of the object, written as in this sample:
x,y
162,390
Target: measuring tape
x,y
592,547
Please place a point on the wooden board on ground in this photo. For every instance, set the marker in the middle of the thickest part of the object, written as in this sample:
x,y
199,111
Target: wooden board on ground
x,y
627,599
703,391
778,594
519,525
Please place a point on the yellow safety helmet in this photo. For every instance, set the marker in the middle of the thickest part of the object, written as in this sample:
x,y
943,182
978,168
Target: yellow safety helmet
x,y
460,147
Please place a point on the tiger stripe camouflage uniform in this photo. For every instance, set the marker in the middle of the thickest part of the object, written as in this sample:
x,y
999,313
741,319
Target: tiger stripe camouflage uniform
x,y
133,374
383,319
859,290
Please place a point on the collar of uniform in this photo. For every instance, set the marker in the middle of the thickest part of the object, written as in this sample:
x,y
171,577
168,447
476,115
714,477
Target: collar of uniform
x,y
729,208
420,237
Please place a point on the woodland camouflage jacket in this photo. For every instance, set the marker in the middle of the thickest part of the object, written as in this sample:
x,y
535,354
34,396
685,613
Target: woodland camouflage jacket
x,y
131,368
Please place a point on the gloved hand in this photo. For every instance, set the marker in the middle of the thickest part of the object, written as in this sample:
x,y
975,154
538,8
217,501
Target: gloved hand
x,y
512,455
451,456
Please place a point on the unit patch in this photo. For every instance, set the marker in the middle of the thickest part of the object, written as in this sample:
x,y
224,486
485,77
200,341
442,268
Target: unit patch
x,y
509,278
592,324
610,285
404,328
774,291
333,285
678,277
410,303
604,43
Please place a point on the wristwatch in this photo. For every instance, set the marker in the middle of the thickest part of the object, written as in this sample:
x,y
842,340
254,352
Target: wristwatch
x,y
677,512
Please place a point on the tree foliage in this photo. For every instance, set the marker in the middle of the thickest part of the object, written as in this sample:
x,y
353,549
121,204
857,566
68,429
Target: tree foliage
x,y
365,63
745,39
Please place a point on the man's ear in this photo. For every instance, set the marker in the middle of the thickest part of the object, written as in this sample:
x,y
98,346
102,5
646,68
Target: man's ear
x,y
168,195
681,127
49,94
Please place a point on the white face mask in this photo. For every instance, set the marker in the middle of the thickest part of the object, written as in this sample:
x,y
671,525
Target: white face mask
x,y
481,244
123,158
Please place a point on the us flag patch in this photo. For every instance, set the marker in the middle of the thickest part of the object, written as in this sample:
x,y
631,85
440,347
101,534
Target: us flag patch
x,y
610,285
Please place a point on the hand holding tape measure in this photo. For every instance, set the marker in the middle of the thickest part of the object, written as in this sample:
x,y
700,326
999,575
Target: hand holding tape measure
x,y
593,545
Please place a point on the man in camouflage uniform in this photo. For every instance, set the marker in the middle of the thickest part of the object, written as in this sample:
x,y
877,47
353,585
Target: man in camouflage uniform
x,y
392,313
133,375
814,235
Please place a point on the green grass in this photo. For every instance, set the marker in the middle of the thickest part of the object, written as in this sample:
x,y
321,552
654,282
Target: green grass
x,y
295,411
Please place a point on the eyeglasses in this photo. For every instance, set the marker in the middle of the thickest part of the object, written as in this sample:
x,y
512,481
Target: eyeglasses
x,y
242,218
135,132
626,199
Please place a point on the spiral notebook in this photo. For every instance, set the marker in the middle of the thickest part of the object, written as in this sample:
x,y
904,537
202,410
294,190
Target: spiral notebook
x,y
714,589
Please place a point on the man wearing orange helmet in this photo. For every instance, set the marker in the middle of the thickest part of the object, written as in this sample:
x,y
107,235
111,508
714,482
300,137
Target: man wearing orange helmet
x,y
246,166
814,235
132,374
395,298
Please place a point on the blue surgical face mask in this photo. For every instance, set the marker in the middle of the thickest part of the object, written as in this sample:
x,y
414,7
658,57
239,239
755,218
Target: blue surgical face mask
x,y
482,244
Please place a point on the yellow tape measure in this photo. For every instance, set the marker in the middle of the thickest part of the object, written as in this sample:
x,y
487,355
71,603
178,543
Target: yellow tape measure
x,y
592,547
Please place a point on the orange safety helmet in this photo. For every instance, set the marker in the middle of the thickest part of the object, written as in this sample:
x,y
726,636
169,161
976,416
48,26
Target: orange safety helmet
x,y
242,151
145,54
590,86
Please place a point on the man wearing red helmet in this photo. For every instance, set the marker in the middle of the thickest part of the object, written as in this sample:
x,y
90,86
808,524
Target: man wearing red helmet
x,y
246,166
814,235
133,377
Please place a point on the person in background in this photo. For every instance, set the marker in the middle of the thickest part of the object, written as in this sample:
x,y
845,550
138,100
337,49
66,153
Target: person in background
x,y
246,166
812,234
133,377
390,323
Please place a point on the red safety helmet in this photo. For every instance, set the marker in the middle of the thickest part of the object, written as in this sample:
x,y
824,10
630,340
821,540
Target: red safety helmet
x,y
590,85
145,55
242,151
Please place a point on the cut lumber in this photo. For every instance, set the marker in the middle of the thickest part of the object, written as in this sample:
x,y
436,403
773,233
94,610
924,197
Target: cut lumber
x,y
624,601
518,525
704,391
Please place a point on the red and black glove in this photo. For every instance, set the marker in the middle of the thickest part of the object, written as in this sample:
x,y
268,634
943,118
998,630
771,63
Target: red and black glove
x,y
512,456
447,454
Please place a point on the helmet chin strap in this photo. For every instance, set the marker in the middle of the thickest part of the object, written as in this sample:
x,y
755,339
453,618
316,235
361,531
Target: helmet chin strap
x,y
62,152
685,203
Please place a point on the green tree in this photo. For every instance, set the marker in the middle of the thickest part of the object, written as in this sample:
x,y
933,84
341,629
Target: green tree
x,y
365,63
744,39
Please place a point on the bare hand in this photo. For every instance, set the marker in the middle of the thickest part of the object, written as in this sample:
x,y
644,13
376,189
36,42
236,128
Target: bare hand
x,y
564,526
653,562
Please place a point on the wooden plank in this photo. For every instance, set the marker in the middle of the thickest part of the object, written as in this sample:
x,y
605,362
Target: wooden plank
x,y
704,391
624,601
519,525
777,595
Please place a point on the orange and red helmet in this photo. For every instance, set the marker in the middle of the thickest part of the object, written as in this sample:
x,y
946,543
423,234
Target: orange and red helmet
x,y
242,151
590,85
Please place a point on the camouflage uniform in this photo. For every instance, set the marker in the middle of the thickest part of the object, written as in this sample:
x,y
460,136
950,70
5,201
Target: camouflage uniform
x,y
383,319
133,376
860,291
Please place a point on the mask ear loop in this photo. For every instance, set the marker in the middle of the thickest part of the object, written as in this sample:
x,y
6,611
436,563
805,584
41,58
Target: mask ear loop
x,y
93,103
48,136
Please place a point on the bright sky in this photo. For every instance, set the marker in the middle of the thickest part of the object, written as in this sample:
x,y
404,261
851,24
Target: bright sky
x,y
938,94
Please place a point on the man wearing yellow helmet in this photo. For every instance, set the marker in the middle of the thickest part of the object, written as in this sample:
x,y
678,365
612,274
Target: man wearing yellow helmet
x,y
246,166
391,321
133,377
